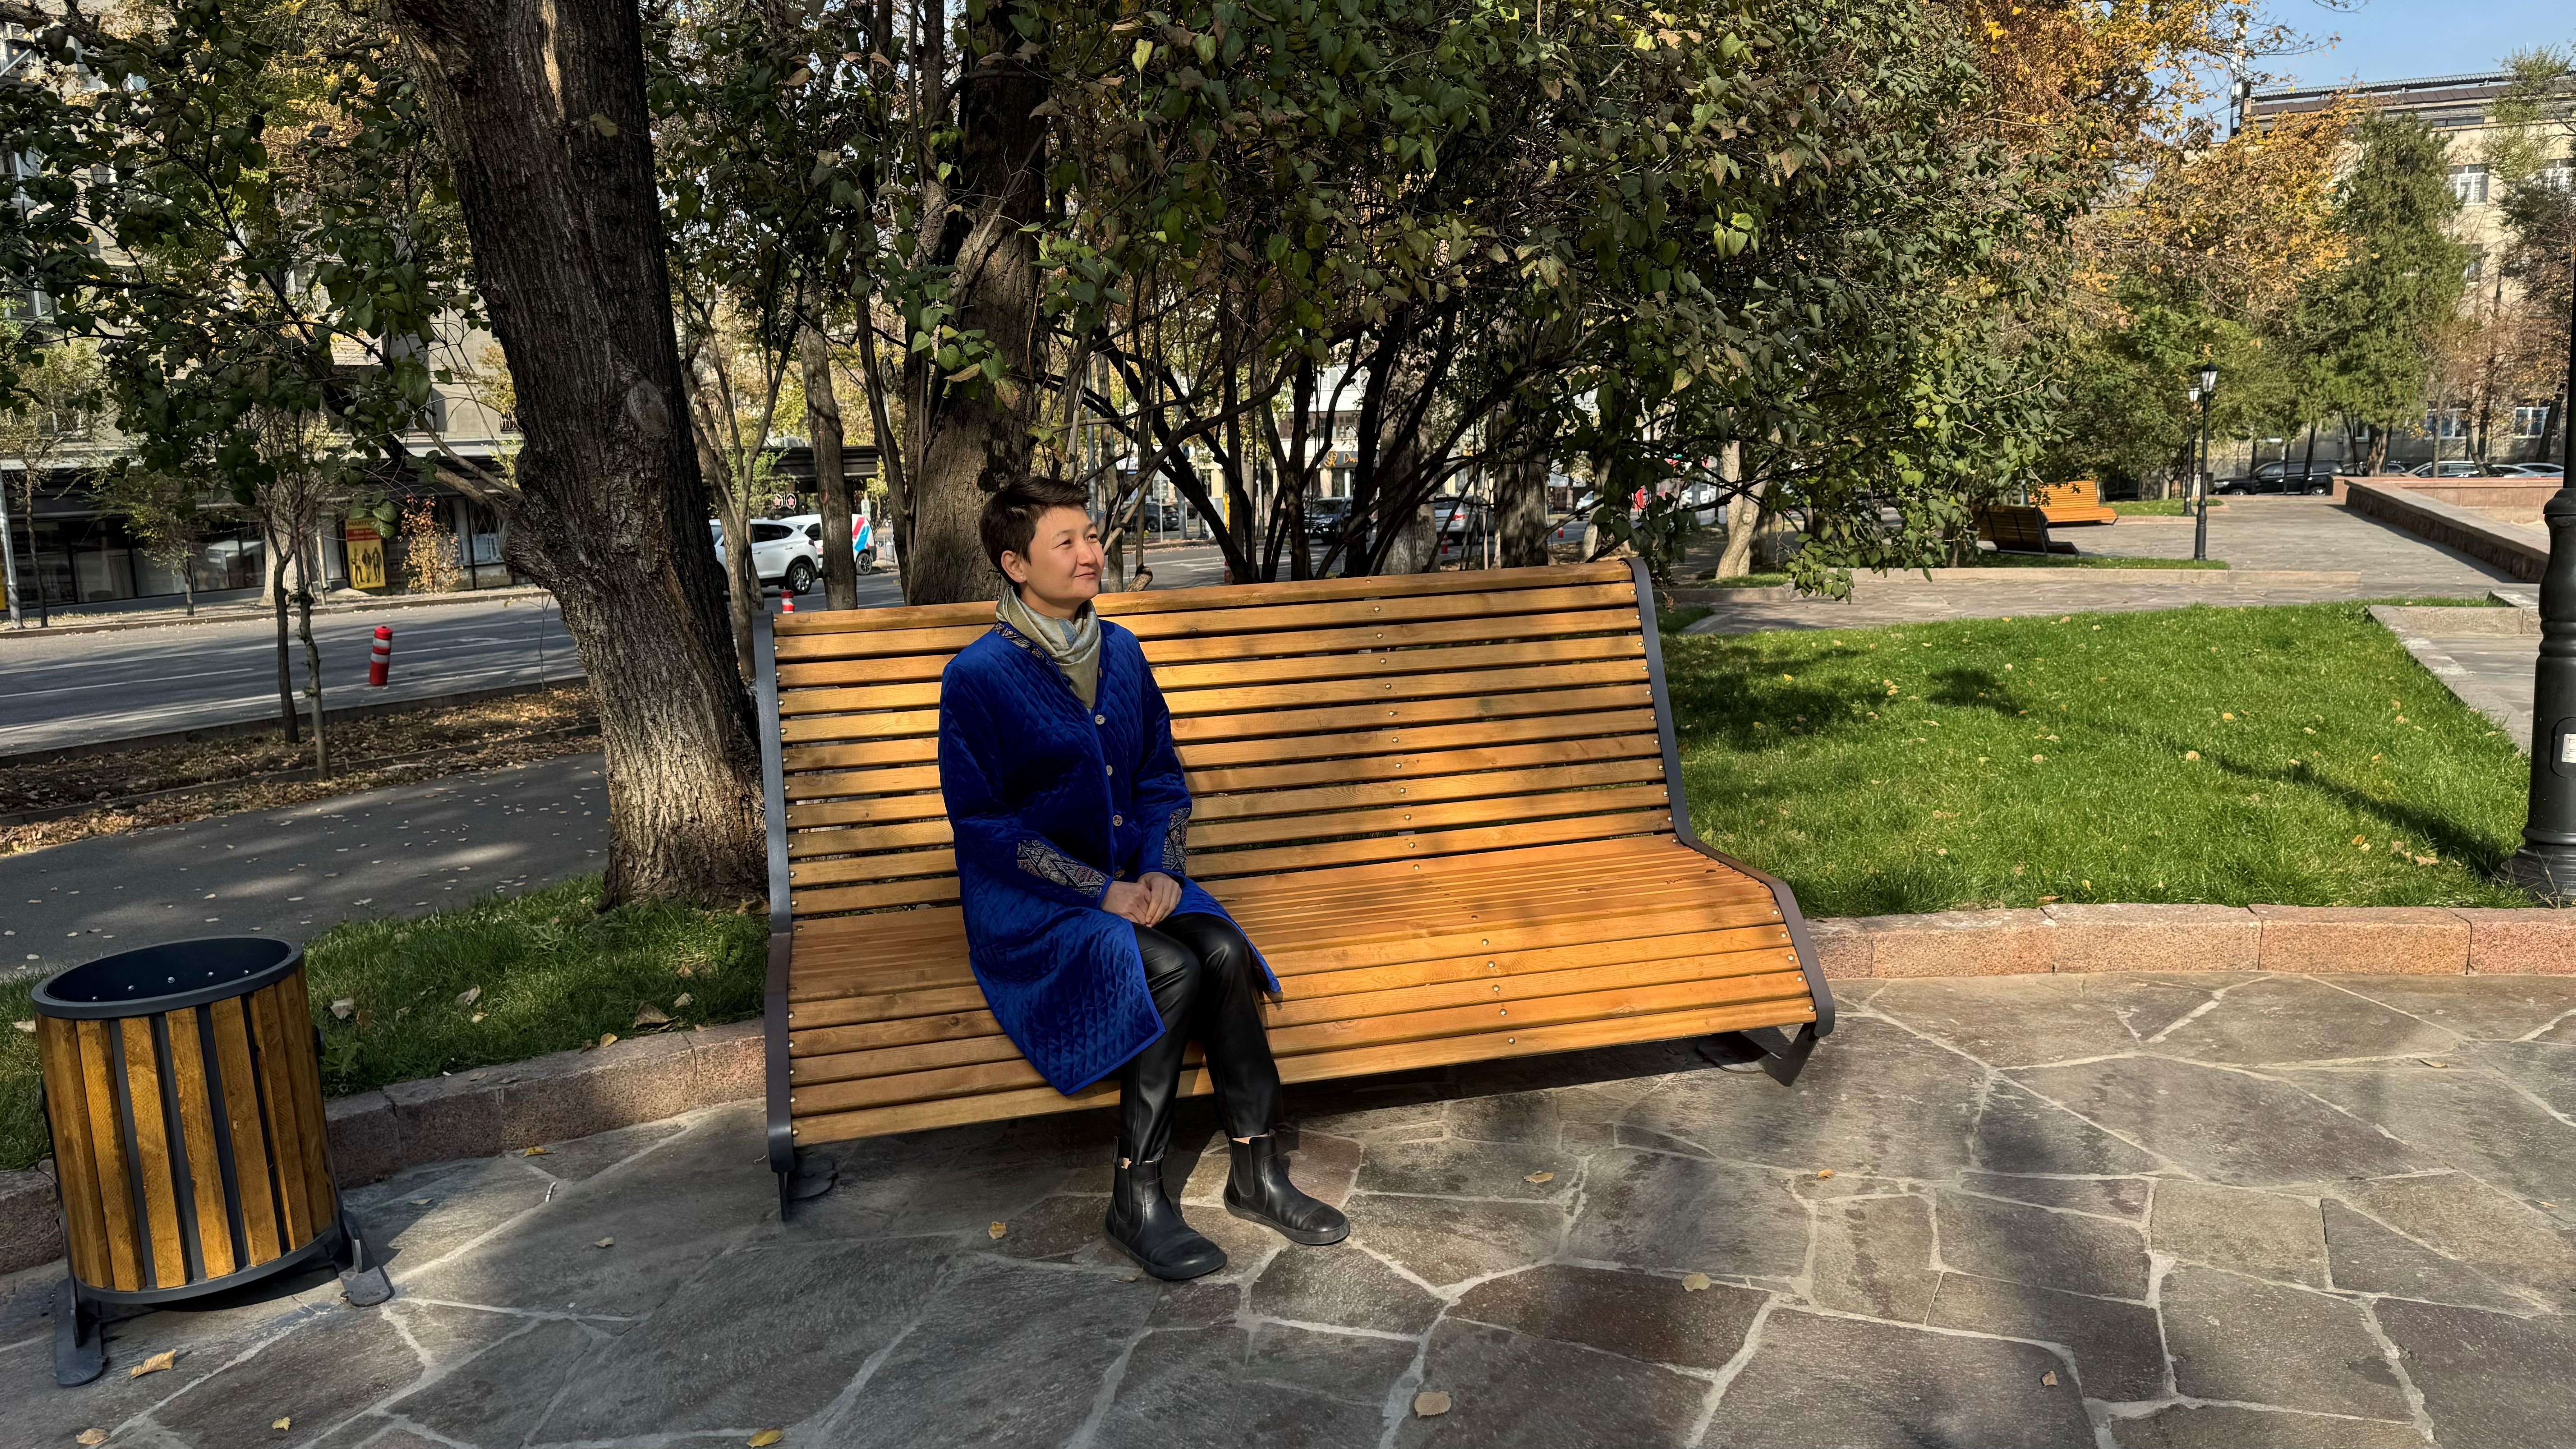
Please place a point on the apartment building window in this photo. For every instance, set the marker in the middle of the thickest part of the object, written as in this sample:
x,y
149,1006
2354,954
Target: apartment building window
x,y
2530,420
2469,184
2559,175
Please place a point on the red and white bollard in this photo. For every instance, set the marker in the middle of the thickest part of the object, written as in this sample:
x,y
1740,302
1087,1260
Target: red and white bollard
x,y
786,602
380,656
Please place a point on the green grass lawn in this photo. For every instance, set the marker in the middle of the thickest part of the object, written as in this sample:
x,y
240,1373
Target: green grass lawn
x,y
2291,755
554,974
2159,507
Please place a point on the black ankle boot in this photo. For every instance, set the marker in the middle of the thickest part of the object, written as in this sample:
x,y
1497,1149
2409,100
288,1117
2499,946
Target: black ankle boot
x,y
1144,1224
1258,1189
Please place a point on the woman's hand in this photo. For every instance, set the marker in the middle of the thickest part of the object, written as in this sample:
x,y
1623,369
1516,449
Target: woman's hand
x,y
1149,900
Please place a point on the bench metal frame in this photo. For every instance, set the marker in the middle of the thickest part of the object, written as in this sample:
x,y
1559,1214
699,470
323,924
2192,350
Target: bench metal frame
x,y
808,1175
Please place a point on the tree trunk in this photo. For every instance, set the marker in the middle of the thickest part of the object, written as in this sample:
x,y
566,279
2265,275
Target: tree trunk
x,y
831,485
1744,520
1520,487
542,111
285,673
312,660
979,441
743,597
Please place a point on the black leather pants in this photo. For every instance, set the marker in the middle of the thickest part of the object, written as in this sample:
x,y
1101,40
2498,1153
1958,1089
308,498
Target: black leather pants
x,y
1201,972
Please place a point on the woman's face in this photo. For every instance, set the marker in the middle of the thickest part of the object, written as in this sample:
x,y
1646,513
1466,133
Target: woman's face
x,y
1061,571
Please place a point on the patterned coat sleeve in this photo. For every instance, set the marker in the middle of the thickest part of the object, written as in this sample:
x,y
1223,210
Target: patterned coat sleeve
x,y
1162,794
986,827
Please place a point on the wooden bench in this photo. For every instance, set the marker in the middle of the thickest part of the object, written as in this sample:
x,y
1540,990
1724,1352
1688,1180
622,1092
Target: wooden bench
x,y
2077,502
2017,528
1447,807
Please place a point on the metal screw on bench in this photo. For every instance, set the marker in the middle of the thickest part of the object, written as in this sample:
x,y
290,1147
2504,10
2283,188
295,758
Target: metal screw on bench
x,y
2200,475
2546,863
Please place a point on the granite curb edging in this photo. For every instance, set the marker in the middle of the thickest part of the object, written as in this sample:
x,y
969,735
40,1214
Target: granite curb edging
x,y
486,1111
480,1112
2302,940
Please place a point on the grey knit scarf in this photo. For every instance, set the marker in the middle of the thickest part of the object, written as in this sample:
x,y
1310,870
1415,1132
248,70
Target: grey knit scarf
x,y
1074,644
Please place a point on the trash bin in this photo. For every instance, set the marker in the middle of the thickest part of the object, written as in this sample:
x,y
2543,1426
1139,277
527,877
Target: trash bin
x,y
183,1088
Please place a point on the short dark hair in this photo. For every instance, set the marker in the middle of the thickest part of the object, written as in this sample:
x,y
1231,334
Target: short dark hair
x,y
1010,518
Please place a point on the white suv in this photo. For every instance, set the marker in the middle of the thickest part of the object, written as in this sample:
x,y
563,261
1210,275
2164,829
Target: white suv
x,y
784,551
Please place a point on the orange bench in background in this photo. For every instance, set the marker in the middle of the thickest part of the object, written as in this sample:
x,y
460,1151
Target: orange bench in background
x,y
2077,502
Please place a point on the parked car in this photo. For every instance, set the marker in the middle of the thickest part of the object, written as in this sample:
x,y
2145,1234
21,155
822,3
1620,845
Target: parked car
x,y
787,552
2450,468
2279,476
2532,470
1324,517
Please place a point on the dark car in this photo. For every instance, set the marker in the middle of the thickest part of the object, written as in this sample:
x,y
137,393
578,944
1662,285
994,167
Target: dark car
x,y
2279,476
1324,517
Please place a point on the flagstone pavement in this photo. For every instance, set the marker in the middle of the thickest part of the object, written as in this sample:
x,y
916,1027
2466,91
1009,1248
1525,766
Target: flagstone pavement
x,y
2118,1210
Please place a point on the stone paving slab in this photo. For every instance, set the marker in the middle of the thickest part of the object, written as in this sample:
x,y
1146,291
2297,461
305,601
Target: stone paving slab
x,y
2172,1209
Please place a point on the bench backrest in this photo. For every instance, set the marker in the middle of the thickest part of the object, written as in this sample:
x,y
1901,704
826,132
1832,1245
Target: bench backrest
x,y
2015,528
2082,493
1327,723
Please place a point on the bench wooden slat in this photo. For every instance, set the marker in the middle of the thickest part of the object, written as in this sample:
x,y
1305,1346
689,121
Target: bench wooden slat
x,y
1428,673
896,724
910,1075
1303,668
1219,865
1321,1066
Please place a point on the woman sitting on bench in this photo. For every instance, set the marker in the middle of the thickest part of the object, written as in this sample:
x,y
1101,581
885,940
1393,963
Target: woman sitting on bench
x,y
1095,951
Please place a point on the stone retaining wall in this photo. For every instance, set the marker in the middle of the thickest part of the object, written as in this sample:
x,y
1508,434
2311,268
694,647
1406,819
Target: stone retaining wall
x,y
2516,551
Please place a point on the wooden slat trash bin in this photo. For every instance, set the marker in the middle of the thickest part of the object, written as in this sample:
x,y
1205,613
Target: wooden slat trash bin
x,y
183,1087
1447,807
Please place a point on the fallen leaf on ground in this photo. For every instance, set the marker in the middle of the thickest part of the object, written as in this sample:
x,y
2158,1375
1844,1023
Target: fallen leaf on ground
x,y
1430,1404
681,1000
153,1365
90,1436
342,1007
420,1202
536,1152
478,1016
765,1438
1130,1278
284,1422
605,1243
650,1015
1694,1282
684,970
1540,1177
2049,1378
1824,1172
25,1026
2428,1061
608,1038
996,1230
469,996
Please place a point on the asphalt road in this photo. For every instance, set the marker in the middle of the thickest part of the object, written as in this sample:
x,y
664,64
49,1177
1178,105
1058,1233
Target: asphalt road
x,y
296,872
81,688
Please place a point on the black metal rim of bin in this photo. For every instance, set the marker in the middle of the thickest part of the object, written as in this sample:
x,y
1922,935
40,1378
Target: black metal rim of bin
x,y
149,979
177,976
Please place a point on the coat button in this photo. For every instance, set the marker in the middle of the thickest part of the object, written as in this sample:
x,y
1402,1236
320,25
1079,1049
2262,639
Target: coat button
x,y
1109,769
1117,819
1100,719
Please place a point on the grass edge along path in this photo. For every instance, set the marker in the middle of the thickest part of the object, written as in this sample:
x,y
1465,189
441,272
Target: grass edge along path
x,y
2288,755
499,980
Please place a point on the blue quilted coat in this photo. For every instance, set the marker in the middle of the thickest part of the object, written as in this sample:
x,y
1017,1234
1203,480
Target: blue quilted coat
x,y
1050,802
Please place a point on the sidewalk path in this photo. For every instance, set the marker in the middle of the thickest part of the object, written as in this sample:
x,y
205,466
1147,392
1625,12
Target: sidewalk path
x,y
2253,534
2124,1210
299,871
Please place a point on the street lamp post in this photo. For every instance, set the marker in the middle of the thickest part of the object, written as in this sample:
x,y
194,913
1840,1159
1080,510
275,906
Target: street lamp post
x,y
2546,863
2200,475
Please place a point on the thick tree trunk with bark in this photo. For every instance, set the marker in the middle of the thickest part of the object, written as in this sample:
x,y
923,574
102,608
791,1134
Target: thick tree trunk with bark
x,y
1520,496
831,485
541,107
978,443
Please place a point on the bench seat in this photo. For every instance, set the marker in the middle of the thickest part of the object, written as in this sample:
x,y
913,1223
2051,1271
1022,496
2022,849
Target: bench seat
x,y
1445,807
1381,967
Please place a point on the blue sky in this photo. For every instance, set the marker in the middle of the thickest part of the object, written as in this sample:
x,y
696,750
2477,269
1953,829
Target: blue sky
x,y
2384,40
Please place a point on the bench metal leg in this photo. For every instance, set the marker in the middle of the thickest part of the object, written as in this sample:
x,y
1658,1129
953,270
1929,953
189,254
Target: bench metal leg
x,y
812,1176
1784,1056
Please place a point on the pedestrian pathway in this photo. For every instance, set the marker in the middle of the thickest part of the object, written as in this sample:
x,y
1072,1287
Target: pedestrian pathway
x,y
2279,551
298,871
2121,1210
2487,657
